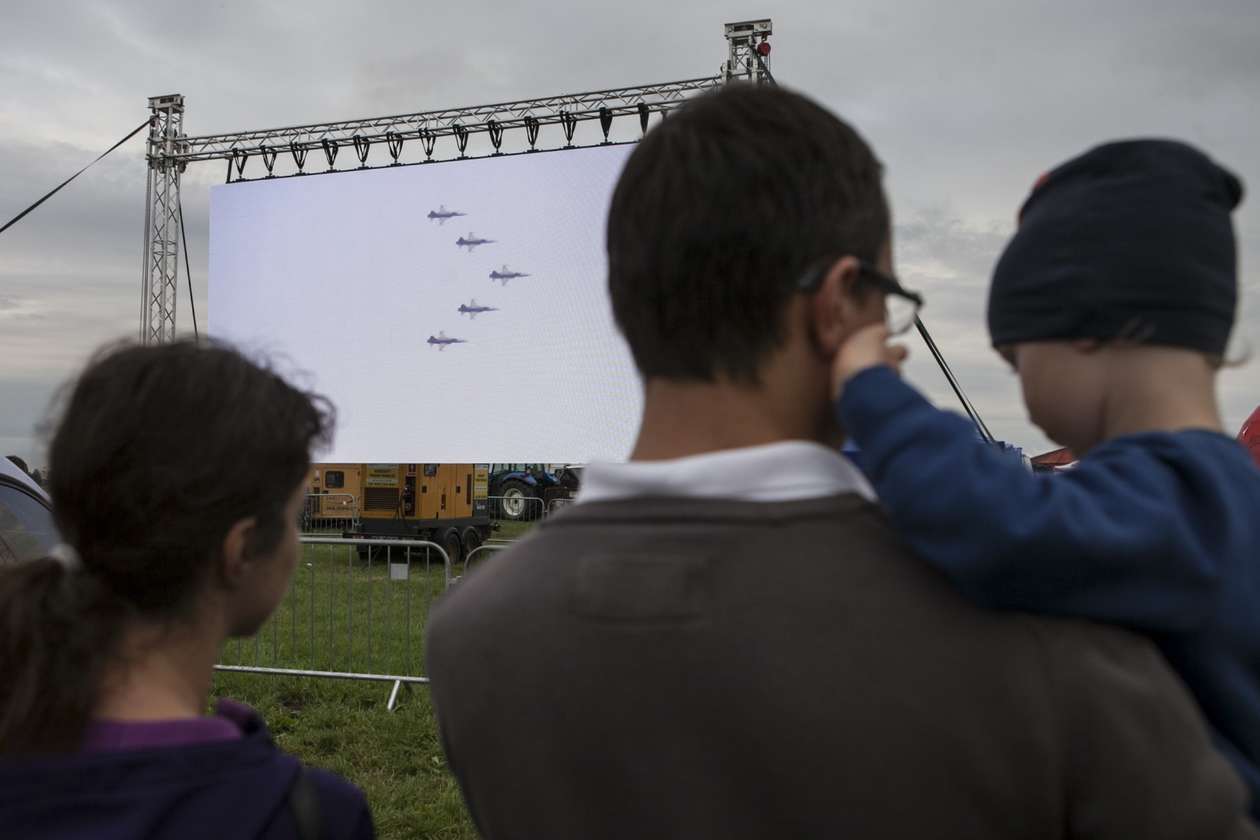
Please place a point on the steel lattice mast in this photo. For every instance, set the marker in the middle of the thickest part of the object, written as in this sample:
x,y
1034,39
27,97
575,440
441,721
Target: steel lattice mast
x,y
169,151
160,277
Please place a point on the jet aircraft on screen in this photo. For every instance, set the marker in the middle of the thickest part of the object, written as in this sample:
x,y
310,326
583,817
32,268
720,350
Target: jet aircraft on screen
x,y
441,342
471,241
442,215
505,274
472,309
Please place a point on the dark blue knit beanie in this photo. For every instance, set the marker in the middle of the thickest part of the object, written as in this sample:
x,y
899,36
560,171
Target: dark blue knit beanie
x,y
1131,240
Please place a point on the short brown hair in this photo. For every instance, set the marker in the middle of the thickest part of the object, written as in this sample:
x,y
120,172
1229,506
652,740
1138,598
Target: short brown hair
x,y
719,210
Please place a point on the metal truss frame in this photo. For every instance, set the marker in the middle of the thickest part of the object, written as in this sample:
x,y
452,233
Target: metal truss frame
x,y
429,126
745,61
170,152
160,271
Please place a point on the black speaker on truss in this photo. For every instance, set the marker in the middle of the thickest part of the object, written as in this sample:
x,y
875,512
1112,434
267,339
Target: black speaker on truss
x,y
496,135
268,155
330,151
428,140
299,156
362,146
605,122
394,144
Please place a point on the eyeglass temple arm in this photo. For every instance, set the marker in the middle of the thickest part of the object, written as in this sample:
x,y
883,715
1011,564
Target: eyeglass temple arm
x,y
953,381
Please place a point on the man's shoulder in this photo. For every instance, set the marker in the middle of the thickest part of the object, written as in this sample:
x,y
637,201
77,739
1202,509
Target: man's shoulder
x,y
815,549
507,579
826,558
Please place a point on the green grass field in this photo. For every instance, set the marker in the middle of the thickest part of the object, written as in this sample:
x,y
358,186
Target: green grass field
x,y
343,726
346,614
511,530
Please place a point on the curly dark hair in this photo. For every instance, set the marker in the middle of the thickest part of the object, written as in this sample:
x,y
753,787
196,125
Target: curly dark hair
x,y
158,452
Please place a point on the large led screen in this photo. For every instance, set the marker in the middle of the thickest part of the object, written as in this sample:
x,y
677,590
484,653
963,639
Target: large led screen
x,y
453,312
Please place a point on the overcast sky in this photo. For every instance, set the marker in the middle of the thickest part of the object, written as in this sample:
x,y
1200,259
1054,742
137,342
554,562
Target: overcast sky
x,y
966,103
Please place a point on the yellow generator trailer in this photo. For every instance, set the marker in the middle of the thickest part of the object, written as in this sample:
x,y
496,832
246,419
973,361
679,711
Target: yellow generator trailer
x,y
444,503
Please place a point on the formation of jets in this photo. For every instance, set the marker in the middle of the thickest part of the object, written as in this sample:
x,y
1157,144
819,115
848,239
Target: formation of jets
x,y
472,309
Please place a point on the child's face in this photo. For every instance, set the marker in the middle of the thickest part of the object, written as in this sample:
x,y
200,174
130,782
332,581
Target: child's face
x,y
1064,386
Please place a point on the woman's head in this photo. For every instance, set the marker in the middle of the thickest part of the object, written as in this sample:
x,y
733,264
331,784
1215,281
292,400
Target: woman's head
x,y
169,460
176,475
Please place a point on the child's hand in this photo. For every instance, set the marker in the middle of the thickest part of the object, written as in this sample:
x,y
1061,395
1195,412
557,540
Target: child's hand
x,y
866,348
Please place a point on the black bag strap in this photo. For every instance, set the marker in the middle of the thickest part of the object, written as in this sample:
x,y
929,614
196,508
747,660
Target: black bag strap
x,y
304,803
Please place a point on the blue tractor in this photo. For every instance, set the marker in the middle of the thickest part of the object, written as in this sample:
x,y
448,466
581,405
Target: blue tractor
x,y
523,492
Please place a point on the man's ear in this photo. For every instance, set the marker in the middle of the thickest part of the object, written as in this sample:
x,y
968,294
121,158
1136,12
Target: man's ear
x,y
236,562
836,306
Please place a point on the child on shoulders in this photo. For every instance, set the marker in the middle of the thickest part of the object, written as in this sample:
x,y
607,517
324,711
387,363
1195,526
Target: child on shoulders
x,y
1113,303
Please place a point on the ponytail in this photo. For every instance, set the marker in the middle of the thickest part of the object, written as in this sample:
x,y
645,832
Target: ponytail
x,y
58,632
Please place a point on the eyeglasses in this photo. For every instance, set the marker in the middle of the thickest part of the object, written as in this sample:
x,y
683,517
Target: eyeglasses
x,y
901,306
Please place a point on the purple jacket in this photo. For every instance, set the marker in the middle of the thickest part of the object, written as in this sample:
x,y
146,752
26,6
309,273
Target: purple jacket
x,y
134,783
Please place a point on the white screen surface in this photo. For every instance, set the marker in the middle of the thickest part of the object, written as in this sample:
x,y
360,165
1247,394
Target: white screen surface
x,y
345,278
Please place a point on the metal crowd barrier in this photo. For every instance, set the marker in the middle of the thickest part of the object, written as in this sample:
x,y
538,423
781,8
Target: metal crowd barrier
x,y
487,548
330,511
516,508
557,505
351,615
357,608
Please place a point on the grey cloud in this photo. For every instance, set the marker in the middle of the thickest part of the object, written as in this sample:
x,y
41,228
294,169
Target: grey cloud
x,y
25,405
101,213
951,260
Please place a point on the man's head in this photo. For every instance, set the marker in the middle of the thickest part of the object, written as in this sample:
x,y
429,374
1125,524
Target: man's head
x,y
1123,270
719,213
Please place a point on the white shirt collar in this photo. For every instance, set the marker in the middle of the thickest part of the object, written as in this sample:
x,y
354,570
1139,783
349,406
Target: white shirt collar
x,y
777,472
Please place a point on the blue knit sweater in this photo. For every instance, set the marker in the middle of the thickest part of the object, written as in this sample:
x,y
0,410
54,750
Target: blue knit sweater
x,y
1158,532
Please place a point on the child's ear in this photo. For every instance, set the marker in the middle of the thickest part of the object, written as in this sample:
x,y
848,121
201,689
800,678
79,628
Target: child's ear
x,y
836,308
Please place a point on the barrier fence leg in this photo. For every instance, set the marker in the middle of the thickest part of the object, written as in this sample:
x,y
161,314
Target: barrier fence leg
x,y
393,694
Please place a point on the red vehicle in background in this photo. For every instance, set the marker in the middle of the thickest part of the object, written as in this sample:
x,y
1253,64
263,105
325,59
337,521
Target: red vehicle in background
x,y
1250,435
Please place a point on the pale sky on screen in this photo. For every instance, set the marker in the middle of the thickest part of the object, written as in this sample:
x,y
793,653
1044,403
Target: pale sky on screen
x,y
363,279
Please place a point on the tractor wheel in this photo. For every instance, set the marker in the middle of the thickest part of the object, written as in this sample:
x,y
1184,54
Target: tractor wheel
x,y
517,504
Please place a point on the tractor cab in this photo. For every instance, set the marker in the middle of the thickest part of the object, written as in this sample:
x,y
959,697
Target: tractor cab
x,y
524,492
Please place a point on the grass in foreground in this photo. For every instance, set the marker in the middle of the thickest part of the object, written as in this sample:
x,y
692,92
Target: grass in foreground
x,y
345,613
395,757
511,530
